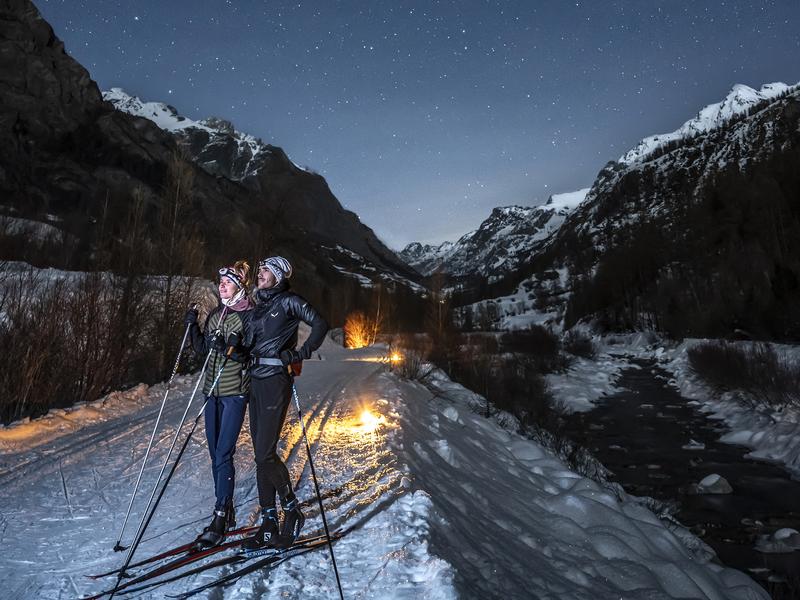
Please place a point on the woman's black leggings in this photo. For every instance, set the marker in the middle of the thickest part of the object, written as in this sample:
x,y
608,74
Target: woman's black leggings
x,y
269,400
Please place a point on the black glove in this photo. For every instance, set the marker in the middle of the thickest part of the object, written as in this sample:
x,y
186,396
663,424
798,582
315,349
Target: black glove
x,y
217,343
289,357
234,338
191,317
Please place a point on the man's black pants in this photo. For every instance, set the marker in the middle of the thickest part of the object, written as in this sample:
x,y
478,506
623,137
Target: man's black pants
x,y
269,400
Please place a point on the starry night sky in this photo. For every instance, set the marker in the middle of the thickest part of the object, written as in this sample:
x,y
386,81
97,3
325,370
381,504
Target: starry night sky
x,y
423,116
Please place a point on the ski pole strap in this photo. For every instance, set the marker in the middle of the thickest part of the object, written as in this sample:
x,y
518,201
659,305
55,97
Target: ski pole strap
x,y
273,362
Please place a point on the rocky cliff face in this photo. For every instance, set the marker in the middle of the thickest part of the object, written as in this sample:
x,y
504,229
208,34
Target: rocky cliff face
x,y
62,148
46,94
212,143
300,197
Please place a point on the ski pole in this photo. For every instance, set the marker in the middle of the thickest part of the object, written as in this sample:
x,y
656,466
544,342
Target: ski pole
x,y
177,431
233,341
118,547
316,487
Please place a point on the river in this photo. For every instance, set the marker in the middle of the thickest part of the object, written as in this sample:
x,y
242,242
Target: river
x,y
643,435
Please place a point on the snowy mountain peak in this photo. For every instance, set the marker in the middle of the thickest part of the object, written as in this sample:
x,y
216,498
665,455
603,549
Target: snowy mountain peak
x,y
508,237
220,148
163,115
739,100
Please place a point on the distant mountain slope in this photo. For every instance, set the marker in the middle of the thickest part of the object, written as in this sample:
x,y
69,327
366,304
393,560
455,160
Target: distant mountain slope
x,y
696,235
509,237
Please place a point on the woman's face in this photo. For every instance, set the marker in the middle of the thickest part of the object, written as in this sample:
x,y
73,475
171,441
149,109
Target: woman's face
x,y
266,278
227,289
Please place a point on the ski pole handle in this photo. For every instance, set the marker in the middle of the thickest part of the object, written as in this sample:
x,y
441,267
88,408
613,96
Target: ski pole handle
x,y
233,340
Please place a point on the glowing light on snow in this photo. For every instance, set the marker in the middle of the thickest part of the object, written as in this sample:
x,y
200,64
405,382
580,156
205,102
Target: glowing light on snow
x,y
396,357
369,422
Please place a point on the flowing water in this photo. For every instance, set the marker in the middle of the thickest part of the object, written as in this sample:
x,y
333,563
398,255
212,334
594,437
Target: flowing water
x,y
643,435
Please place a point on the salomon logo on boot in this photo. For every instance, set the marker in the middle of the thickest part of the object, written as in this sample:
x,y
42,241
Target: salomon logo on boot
x,y
267,533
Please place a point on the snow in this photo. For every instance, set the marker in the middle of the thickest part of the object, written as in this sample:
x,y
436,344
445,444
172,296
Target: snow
x,y
694,445
738,100
567,202
562,536
586,381
163,115
437,501
363,280
365,265
167,118
35,231
30,434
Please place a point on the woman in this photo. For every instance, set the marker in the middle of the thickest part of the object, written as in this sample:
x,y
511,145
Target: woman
x,y
227,401
271,337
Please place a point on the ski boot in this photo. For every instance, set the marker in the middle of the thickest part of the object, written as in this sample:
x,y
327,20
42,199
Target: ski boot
x,y
231,524
267,533
213,534
293,521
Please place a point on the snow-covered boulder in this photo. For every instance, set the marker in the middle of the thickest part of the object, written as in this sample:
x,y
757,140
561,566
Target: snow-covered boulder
x,y
782,541
694,445
712,484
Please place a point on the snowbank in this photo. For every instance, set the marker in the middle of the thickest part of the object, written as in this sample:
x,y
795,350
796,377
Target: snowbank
x,y
773,436
28,433
586,381
517,523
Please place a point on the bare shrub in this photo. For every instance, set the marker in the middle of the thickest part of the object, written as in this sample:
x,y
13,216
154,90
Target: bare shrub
x,y
538,343
763,377
579,343
521,389
414,351
73,339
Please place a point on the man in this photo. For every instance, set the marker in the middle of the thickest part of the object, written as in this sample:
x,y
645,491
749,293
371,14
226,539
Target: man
x,y
271,338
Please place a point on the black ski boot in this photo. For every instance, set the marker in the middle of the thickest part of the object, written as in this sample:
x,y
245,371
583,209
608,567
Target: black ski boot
x,y
267,533
293,521
214,533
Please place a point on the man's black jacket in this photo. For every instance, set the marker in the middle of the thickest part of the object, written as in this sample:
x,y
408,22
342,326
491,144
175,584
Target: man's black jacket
x,y
273,325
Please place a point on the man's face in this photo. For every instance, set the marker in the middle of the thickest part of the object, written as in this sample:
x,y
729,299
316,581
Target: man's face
x,y
266,279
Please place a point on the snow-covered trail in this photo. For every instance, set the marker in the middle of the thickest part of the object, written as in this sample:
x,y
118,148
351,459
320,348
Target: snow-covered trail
x,y
62,502
437,502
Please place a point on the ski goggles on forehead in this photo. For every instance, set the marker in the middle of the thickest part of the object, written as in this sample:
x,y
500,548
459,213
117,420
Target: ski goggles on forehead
x,y
232,275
